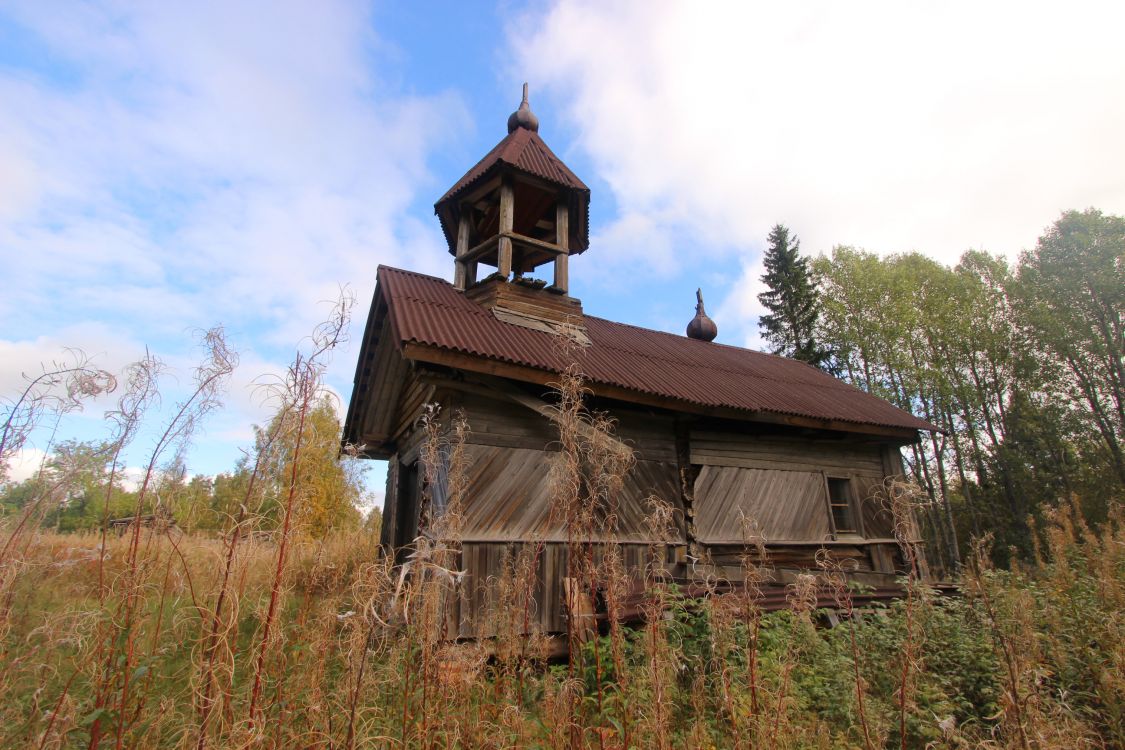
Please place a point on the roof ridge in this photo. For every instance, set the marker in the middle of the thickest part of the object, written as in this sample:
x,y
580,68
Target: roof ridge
x,y
741,373
394,269
678,337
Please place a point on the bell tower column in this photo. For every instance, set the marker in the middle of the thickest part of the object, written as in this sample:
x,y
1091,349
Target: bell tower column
x,y
465,273
562,239
507,218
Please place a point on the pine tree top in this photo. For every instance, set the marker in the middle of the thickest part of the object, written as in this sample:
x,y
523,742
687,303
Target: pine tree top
x,y
792,300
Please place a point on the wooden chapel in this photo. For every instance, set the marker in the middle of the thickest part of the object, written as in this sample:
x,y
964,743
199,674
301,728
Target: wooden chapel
x,y
719,432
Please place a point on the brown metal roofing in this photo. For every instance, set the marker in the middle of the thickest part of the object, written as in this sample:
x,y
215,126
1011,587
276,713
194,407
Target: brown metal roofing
x,y
427,310
524,150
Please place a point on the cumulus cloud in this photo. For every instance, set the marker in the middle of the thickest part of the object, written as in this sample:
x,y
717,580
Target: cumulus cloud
x,y
182,165
23,464
889,126
26,463
741,309
893,126
167,167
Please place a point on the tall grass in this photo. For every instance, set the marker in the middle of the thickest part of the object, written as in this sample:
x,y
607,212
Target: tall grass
x,y
161,639
1028,658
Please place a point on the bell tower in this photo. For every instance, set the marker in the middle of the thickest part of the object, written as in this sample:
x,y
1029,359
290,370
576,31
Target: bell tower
x,y
518,209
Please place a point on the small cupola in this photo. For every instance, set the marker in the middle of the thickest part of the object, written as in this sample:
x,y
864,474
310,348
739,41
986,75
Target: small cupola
x,y
518,209
701,327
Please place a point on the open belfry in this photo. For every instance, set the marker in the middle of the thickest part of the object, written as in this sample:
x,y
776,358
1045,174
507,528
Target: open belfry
x,y
749,451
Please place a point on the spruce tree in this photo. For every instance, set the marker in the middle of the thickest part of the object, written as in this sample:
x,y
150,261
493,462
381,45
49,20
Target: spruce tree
x,y
792,300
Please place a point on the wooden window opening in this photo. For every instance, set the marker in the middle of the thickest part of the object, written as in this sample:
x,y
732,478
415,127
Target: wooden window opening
x,y
406,515
842,507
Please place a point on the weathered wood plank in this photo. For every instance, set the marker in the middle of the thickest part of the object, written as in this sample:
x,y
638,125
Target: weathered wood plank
x,y
781,504
562,238
765,451
778,453
462,278
507,214
512,498
485,575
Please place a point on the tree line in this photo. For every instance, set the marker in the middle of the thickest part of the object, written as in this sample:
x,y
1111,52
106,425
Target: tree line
x,y
1021,367
74,490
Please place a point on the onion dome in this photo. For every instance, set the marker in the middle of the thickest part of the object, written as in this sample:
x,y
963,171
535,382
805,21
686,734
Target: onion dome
x,y
523,117
701,327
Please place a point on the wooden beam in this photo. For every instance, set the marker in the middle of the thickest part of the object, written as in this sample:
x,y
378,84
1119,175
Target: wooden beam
x,y
473,254
461,274
481,192
905,434
562,239
514,239
544,409
507,217
523,239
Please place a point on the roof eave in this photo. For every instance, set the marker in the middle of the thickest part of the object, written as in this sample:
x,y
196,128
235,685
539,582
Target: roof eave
x,y
428,353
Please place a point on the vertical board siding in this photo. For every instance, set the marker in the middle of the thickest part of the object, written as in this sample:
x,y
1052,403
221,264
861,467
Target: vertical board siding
x,y
390,504
479,611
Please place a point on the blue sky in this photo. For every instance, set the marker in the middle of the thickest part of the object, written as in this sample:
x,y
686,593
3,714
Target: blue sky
x,y
165,167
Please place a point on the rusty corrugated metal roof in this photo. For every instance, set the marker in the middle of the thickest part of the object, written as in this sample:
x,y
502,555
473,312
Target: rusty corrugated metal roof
x,y
428,310
525,150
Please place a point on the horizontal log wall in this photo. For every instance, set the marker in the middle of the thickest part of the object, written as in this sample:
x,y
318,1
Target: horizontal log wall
x,y
860,557
783,453
652,437
505,424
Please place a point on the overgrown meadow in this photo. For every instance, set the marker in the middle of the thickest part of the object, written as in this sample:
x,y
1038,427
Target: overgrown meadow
x,y
267,616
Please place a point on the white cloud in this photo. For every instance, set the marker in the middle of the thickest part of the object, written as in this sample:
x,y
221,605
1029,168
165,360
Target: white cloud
x,y
888,126
102,347
24,464
209,162
892,126
741,307
172,167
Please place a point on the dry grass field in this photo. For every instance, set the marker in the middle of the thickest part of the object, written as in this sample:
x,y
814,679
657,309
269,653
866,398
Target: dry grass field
x,y
266,632
167,641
